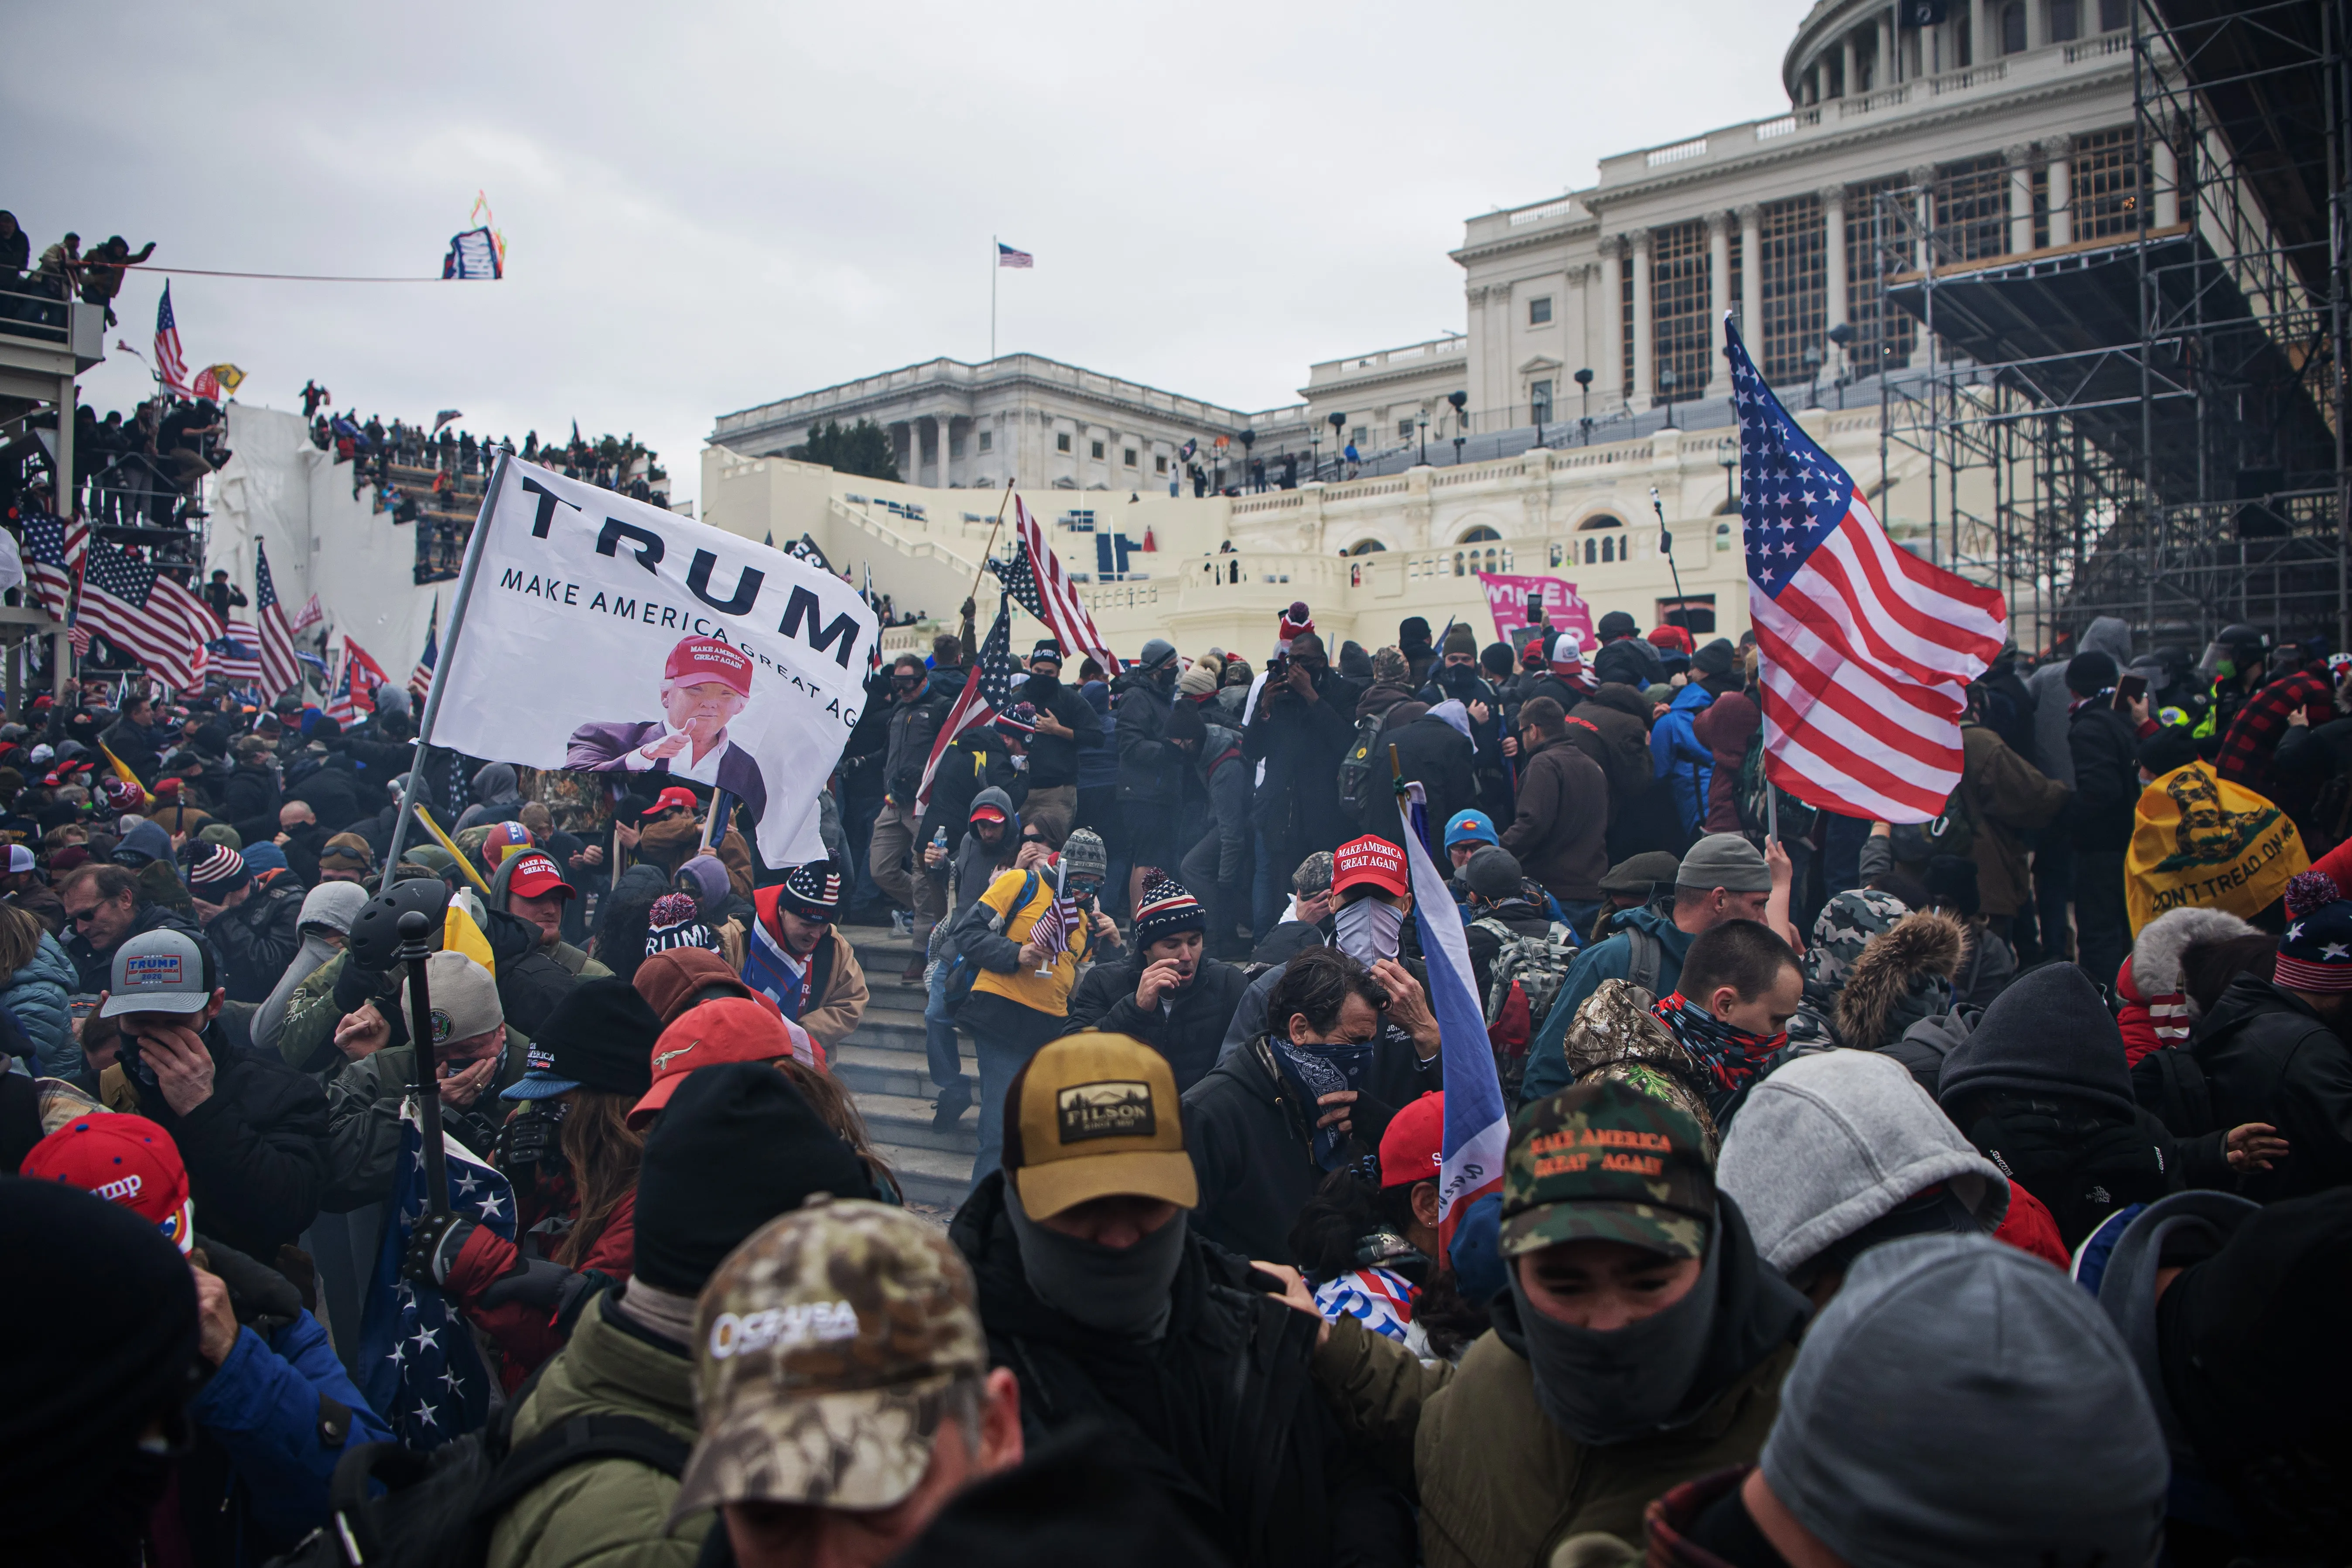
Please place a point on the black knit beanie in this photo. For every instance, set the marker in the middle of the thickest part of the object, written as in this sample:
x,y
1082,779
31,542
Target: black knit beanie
x,y
601,1037
2049,1033
735,1147
80,1384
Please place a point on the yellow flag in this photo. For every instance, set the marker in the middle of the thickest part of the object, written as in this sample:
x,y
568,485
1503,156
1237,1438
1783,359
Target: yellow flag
x,y
229,377
121,769
2198,840
460,934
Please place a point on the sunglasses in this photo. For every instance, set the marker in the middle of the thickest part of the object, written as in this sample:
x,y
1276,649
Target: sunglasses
x,y
84,918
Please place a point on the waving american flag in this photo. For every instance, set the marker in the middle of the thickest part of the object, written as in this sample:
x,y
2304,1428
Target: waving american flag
x,y
987,691
52,553
1034,578
147,615
1867,650
171,366
279,669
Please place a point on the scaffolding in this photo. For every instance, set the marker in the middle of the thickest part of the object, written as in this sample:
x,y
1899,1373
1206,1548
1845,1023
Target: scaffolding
x,y
2145,420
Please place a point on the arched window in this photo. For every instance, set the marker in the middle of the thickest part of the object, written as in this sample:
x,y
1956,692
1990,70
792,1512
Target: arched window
x,y
1592,552
1478,535
1609,548
1366,547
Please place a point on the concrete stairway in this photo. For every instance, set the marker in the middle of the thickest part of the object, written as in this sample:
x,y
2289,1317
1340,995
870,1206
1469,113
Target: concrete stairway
x,y
883,1066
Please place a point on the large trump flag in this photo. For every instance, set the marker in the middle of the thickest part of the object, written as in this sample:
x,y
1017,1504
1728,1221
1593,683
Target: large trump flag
x,y
598,633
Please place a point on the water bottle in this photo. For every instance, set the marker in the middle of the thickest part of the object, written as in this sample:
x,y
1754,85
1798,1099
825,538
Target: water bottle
x,y
940,839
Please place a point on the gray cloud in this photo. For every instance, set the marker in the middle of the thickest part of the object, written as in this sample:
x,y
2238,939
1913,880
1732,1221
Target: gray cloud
x,y
711,206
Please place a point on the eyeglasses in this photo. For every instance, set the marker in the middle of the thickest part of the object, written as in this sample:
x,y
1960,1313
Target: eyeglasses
x,y
84,917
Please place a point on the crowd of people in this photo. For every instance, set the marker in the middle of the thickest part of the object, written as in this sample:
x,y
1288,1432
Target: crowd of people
x,y
1975,1192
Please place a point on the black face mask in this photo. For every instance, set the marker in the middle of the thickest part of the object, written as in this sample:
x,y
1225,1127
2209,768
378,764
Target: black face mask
x,y
1457,679
1121,1290
1615,1386
1041,688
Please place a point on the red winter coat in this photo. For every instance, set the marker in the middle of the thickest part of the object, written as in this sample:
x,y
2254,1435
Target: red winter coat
x,y
525,1334
2029,1229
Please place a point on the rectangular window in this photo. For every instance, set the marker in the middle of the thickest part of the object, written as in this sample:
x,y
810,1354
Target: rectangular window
x,y
988,440
955,446
2066,21
1972,207
1130,453
1061,440
1876,248
1096,448
2115,16
1681,336
2105,186
1160,462
1964,42
1539,402
2012,28
1404,429
1792,255
1539,311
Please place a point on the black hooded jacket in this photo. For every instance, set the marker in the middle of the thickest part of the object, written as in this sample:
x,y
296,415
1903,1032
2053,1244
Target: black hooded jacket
x,y
1227,1420
1054,760
256,1150
257,940
2268,1057
1301,743
1189,1031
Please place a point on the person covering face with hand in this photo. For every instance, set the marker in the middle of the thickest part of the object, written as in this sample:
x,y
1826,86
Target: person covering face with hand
x,y
1171,996
250,1130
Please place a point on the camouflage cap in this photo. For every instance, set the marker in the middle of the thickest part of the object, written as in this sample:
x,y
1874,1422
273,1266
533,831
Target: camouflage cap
x,y
825,1348
1604,1162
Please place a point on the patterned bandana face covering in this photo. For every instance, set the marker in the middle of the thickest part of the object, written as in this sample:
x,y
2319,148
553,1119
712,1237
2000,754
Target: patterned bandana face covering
x,y
1732,1058
1313,1071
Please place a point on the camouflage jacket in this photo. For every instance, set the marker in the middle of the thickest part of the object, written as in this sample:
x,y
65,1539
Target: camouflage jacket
x,y
613,1512
1615,1038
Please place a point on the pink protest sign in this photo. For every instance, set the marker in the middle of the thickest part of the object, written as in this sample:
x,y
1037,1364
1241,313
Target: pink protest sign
x,y
1508,596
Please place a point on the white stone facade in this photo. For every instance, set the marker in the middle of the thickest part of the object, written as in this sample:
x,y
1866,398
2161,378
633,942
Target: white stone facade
x,y
1019,418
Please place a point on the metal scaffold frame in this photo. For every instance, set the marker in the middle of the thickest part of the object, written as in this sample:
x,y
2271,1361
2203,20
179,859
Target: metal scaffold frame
x,y
2186,470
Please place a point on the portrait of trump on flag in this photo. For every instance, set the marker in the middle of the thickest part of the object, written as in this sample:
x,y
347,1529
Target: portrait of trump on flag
x,y
706,682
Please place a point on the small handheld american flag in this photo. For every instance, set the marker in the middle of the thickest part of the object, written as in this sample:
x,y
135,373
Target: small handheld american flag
x,y
1051,930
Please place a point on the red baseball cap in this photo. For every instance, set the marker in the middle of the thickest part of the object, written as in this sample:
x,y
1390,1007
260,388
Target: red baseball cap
x,y
535,877
696,659
987,813
1413,1149
125,1159
729,1029
676,795
1370,858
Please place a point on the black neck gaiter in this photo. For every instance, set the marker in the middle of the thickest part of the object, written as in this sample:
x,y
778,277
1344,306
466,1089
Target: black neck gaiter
x,y
1121,1290
1629,1382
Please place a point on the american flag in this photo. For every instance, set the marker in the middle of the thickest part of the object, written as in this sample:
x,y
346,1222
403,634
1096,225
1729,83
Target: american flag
x,y
279,669
1866,650
339,706
1034,578
987,691
1052,929
310,615
169,365
416,1359
420,680
1008,257
53,551
146,615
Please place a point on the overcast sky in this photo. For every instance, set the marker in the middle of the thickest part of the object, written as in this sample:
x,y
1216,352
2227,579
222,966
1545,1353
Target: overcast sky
x,y
709,205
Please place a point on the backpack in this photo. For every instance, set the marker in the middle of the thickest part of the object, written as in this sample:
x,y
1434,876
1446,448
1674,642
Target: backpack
x,y
1645,958
438,1508
963,971
2170,1082
1796,818
1358,767
1526,978
1953,830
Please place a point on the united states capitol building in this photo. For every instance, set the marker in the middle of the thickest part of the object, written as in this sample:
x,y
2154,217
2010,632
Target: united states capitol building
x,y
1588,371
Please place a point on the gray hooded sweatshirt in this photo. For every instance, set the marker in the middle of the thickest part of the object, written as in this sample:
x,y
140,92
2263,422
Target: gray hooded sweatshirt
x,y
328,907
2053,704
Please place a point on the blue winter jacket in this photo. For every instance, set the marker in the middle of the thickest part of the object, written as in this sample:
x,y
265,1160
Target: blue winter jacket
x,y
1611,959
262,1408
35,997
1677,755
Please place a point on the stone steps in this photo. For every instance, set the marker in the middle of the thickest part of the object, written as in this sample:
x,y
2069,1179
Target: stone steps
x,y
884,1067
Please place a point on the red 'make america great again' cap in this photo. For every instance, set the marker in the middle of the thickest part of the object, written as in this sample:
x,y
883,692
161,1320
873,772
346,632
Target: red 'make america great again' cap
x,y
1370,858
697,660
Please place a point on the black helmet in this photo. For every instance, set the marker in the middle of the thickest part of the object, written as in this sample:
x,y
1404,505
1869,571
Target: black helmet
x,y
375,929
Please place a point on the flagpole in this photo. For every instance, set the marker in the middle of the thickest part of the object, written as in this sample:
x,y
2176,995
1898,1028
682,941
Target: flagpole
x,y
448,658
995,265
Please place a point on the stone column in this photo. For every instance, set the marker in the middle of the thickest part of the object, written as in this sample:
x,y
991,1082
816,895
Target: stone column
x,y
1751,272
1608,345
2037,23
2165,172
1883,73
1718,299
1644,380
2020,157
1833,261
1984,28
946,424
1923,209
2061,150
1846,63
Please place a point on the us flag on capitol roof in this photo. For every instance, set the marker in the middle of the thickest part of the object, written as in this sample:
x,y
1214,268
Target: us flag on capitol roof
x,y
1866,651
